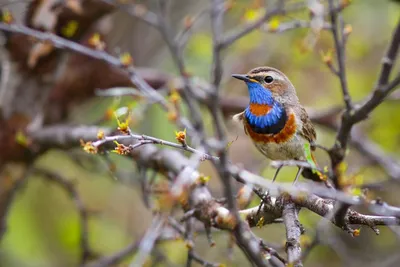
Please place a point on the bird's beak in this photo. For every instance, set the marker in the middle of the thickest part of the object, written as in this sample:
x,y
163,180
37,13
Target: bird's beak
x,y
242,77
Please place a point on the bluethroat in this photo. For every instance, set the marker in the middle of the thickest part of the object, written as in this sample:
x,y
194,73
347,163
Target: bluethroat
x,y
275,120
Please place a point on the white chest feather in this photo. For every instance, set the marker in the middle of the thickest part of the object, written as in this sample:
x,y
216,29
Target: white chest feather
x,y
293,149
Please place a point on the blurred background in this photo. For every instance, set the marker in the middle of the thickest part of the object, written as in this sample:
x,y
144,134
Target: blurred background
x,y
43,223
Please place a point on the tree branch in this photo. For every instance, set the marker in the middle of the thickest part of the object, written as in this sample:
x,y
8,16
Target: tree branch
x,y
293,232
339,39
337,152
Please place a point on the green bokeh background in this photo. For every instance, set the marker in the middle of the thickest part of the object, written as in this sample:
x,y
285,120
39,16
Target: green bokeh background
x,y
43,224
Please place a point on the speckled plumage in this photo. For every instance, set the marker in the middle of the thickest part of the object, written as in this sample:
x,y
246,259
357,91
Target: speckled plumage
x,y
274,120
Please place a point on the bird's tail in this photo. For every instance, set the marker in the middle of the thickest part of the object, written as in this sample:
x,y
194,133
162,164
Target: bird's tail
x,y
314,175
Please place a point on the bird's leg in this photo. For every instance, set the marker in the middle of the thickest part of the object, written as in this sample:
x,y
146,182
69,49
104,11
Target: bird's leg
x,y
263,198
298,174
262,194
276,173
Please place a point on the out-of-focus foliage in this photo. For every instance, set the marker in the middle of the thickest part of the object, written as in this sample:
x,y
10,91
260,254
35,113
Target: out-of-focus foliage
x,y
43,223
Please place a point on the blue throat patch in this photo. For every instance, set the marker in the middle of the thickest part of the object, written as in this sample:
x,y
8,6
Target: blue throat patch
x,y
272,122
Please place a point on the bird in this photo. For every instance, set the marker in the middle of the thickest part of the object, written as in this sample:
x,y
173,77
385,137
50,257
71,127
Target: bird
x,y
274,119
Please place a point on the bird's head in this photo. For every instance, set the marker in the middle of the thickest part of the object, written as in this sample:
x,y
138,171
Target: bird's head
x,y
267,85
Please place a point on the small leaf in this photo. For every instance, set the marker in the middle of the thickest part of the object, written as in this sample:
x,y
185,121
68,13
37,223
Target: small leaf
x,y
305,241
356,232
260,222
231,142
356,191
121,149
175,97
273,24
88,147
172,115
96,42
123,126
252,15
126,59
181,137
7,17
327,56
347,29
22,139
203,179
70,29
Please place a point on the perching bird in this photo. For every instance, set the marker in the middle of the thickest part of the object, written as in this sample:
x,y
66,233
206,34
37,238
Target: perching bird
x,y
274,120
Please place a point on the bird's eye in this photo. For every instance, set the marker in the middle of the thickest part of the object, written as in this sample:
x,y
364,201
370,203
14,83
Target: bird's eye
x,y
268,79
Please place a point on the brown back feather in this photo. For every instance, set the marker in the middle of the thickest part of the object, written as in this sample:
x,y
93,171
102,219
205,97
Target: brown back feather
x,y
308,130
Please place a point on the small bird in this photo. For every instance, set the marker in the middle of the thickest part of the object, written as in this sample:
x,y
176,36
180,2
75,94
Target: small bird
x,y
275,120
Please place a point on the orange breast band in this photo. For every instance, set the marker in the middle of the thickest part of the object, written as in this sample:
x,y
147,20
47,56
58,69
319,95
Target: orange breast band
x,y
259,109
287,132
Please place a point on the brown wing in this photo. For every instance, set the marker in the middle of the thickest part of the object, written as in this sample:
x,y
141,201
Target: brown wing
x,y
308,130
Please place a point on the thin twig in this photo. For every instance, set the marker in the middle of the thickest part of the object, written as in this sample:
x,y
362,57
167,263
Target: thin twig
x,y
116,257
152,140
69,187
101,55
148,241
136,10
7,195
337,32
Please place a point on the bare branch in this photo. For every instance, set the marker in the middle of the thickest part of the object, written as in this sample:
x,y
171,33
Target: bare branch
x,y
389,59
97,54
338,36
293,232
349,119
151,140
152,157
116,257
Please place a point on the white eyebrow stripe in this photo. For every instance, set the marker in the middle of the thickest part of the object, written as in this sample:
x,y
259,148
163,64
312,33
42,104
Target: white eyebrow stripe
x,y
275,75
